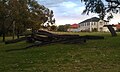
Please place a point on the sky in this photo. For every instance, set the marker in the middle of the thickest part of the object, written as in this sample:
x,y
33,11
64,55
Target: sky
x,y
69,11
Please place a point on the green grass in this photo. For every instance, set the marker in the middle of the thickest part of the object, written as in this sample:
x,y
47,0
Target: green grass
x,y
94,56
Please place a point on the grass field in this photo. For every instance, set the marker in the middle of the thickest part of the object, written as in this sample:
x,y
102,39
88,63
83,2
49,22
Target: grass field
x,y
93,56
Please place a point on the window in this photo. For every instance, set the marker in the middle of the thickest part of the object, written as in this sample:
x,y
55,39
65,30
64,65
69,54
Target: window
x,y
82,24
88,23
94,23
101,23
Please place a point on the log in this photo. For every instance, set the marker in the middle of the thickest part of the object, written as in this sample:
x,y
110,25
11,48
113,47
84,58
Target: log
x,y
111,29
41,32
61,40
68,36
43,39
91,37
16,40
75,41
50,38
30,40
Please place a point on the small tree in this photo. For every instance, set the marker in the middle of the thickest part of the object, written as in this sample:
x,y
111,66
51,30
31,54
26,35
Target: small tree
x,y
61,28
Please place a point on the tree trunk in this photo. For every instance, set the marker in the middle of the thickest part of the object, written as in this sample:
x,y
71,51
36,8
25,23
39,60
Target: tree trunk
x,y
3,37
18,32
13,30
3,31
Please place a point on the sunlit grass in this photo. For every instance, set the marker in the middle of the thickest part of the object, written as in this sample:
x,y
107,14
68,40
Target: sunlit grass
x,y
93,56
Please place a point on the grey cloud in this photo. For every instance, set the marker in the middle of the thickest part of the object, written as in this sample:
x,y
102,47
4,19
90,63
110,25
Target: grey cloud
x,y
63,12
51,3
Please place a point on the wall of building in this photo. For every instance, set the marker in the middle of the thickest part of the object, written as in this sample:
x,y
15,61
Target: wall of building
x,y
73,30
85,26
92,26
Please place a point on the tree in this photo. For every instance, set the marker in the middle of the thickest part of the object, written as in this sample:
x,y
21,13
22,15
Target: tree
x,y
63,27
53,28
40,14
15,14
18,15
101,8
3,16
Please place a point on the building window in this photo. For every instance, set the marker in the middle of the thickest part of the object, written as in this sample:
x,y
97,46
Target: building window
x,y
101,23
91,23
88,23
94,23
101,29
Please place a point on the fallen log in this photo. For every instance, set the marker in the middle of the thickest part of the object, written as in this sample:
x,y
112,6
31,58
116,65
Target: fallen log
x,y
75,41
43,39
91,37
41,32
68,36
60,40
49,38
15,41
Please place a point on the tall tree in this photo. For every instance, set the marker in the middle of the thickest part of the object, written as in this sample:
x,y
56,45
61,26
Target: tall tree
x,y
18,15
3,16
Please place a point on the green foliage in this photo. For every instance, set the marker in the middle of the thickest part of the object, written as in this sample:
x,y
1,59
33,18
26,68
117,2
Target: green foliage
x,y
53,28
18,15
63,27
99,7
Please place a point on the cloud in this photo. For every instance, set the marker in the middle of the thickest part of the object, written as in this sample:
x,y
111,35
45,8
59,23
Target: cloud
x,y
68,4
116,19
51,3
66,11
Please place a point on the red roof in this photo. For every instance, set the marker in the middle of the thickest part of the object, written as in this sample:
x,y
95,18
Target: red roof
x,y
118,26
74,26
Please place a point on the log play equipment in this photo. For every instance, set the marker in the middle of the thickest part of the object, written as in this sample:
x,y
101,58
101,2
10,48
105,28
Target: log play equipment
x,y
42,38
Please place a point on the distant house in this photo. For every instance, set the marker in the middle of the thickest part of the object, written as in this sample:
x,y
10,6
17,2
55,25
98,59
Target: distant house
x,y
74,28
93,24
117,27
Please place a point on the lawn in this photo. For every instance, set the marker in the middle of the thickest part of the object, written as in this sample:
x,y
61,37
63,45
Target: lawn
x,y
93,56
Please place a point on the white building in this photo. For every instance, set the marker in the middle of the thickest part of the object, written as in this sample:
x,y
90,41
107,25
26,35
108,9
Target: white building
x,y
94,24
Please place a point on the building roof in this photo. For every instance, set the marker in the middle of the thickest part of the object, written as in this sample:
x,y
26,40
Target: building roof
x,y
74,26
118,26
93,19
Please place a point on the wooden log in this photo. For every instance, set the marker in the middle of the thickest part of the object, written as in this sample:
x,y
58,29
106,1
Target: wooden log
x,y
43,39
68,36
75,41
48,34
91,37
61,40
30,40
16,40
111,29
55,38
41,32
